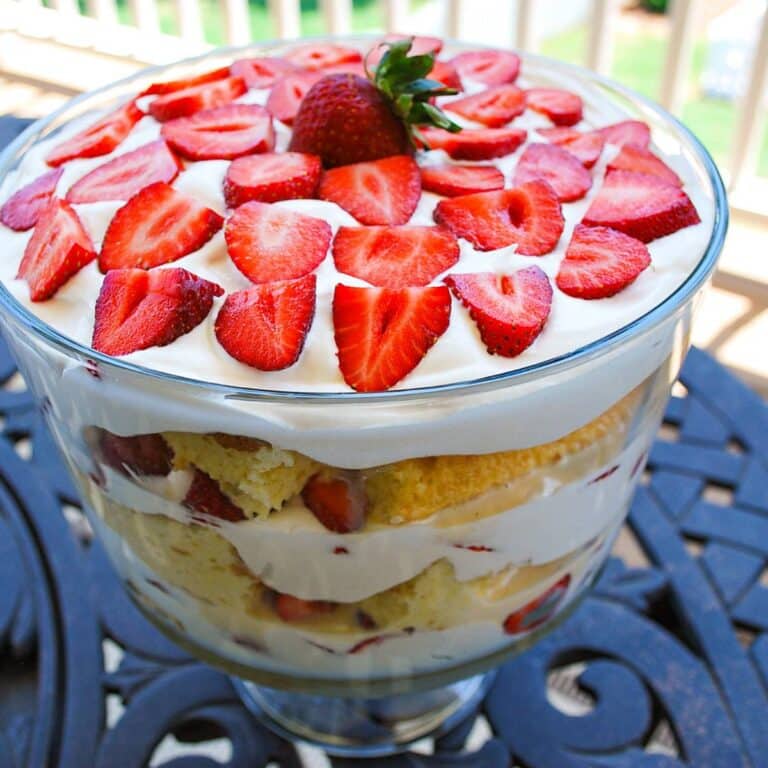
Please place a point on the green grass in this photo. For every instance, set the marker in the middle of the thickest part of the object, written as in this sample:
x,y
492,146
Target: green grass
x,y
638,62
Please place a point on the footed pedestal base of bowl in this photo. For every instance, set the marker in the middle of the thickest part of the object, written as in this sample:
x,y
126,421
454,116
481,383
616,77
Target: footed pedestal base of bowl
x,y
359,727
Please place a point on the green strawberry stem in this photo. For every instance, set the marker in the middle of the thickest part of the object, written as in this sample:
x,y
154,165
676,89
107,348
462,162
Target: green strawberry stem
x,y
403,81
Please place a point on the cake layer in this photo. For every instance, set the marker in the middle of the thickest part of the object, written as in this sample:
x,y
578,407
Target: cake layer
x,y
261,478
498,611
531,521
199,561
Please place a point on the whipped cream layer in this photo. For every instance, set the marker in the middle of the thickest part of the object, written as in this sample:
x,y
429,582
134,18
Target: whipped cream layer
x,y
564,515
291,650
459,355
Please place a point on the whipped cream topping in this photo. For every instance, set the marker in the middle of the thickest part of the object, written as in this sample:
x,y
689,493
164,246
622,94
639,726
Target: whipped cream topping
x,y
458,355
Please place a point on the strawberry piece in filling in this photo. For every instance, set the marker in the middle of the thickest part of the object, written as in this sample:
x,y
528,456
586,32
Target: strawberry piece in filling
x,y
339,503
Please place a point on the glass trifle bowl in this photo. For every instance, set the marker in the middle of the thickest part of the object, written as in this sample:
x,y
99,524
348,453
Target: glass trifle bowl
x,y
360,561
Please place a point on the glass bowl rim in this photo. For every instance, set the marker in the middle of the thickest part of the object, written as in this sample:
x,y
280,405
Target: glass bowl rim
x,y
550,366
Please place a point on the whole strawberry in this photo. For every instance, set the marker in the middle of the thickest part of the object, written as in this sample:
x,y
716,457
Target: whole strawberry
x,y
345,118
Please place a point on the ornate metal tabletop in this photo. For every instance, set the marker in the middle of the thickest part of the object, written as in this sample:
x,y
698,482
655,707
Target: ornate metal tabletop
x,y
665,664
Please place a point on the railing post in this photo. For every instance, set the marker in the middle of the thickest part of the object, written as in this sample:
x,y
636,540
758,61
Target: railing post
x,y
103,10
190,21
677,63
145,15
751,115
455,18
285,18
64,6
238,22
338,16
602,31
396,12
525,30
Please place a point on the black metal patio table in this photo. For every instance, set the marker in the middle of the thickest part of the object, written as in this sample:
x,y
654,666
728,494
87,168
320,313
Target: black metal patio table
x,y
665,664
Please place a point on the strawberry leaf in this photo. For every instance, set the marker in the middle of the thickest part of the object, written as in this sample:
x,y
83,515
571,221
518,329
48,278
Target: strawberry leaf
x,y
404,81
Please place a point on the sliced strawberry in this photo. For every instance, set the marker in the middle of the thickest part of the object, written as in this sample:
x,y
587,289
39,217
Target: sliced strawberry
x,y
421,43
528,216
455,180
641,205
137,308
315,56
494,107
539,610
475,143
271,177
587,146
100,139
339,503
561,107
510,311
382,334
492,67
419,47
347,68
157,225
627,132
600,262
445,73
262,71
287,92
136,454
59,248
190,100
269,243
290,608
265,326
634,158
23,208
221,133
395,257
122,177
171,86
562,170
205,496
384,191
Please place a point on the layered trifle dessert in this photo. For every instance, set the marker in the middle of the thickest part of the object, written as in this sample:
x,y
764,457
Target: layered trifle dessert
x,y
304,304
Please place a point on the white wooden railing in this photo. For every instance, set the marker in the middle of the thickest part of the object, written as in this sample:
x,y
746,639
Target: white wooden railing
x,y
124,47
